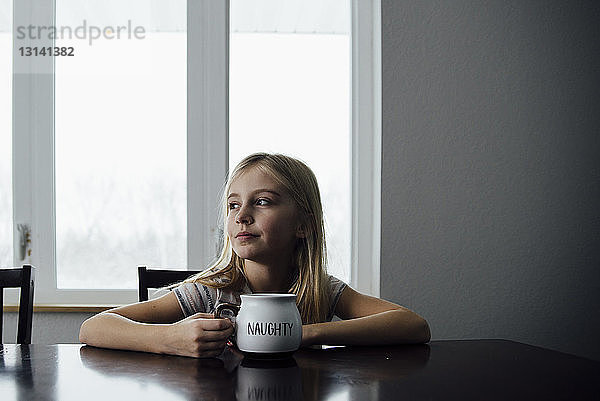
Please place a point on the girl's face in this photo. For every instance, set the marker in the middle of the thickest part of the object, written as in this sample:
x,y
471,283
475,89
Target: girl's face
x,y
263,220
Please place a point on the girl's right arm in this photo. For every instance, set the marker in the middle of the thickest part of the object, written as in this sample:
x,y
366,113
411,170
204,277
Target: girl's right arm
x,y
157,326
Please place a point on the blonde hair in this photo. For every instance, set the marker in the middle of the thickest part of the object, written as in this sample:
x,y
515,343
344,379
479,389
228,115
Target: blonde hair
x,y
310,283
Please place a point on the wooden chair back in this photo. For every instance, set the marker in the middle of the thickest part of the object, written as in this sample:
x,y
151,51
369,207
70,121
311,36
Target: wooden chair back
x,y
23,278
158,278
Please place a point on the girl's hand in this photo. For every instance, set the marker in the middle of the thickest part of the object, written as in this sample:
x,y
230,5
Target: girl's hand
x,y
198,336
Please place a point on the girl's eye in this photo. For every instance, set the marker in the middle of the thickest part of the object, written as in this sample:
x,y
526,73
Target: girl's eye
x,y
233,206
262,202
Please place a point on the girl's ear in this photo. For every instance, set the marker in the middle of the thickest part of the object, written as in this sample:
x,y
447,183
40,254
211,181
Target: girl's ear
x,y
300,231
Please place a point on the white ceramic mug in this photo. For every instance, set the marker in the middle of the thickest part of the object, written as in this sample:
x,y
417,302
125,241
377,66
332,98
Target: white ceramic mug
x,y
266,324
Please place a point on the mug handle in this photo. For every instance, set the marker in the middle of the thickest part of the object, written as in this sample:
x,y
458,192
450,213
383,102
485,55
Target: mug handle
x,y
226,310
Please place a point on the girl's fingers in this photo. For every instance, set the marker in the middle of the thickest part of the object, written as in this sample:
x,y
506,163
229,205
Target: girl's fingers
x,y
217,324
216,335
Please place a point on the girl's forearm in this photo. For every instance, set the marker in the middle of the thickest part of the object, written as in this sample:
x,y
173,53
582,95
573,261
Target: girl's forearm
x,y
111,330
390,327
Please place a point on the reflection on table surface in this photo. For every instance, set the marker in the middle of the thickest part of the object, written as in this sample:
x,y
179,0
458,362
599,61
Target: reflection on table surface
x,y
441,370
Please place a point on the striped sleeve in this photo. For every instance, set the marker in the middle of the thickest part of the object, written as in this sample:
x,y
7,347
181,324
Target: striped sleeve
x,y
194,298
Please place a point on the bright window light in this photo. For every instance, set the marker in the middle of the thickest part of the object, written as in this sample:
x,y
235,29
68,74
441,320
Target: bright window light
x,y
290,93
120,142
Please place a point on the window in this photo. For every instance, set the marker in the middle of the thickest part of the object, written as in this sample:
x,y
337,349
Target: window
x,y
120,151
289,92
6,210
120,142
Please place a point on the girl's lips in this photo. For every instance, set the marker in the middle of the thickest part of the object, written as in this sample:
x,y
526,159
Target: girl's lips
x,y
245,234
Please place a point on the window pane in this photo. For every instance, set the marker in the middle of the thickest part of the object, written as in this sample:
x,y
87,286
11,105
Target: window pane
x,y
120,141
6,211
290,93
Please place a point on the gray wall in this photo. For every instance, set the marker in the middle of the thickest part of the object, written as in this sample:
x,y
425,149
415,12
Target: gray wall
x,y
491,178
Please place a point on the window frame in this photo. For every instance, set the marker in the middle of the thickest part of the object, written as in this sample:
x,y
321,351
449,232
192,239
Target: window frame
x,y
366,146
207,114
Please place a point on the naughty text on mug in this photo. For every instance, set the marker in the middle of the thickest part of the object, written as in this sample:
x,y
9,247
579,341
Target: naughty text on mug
x,y
279,329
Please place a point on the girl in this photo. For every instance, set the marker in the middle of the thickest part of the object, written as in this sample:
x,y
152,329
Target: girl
x,y
274,241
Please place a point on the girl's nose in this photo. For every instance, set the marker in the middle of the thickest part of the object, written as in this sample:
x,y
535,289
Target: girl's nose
x,y
242,217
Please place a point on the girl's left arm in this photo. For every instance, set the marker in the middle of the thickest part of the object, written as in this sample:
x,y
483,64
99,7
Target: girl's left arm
x,y
368,321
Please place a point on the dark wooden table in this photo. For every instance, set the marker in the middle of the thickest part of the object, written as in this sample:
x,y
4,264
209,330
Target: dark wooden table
x,y
477,370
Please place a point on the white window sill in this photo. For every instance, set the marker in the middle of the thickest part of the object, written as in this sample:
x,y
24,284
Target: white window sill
x,y
62,308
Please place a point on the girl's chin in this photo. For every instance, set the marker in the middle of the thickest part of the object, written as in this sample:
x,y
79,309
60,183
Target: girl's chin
x,y
244,253
250,256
